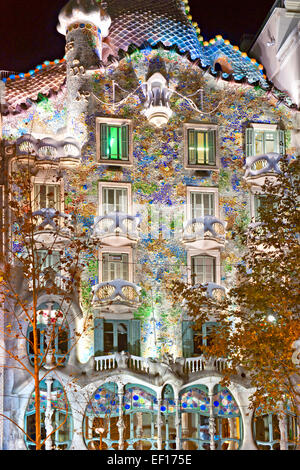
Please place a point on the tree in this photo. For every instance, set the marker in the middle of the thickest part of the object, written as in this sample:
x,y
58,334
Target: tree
x,y
44,256
258,321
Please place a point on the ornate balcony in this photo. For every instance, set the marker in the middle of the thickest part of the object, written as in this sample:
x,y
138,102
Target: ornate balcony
x,y
204,233
215,291
117,292
116,229
159,370
48,150
50,229
260,167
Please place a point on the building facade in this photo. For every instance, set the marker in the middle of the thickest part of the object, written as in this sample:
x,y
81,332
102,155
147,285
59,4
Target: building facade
x,y
161,142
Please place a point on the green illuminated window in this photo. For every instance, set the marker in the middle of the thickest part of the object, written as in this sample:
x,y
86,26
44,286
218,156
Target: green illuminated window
x,y
114,142
201,147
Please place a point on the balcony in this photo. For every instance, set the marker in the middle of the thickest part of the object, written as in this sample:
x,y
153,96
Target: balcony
x,y
116,229
158,370
64,152
260,167
204,233
117,292
53,228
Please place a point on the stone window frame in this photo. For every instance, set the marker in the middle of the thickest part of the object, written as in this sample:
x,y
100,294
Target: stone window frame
x,y
201,189
114,122
117,250
213,253
204,127
112,184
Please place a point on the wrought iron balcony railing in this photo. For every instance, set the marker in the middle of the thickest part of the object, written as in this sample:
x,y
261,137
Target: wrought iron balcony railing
x,y
117,291
116,229
204,233
260,167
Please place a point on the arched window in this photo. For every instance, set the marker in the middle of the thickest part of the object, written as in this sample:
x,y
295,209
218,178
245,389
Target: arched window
x,y
140,405
168,410
56,417
194,407
53,336
101,417
228,422
266,428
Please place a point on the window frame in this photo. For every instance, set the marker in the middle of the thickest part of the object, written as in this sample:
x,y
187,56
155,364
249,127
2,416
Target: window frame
x,y
198,128
46,177
116,123
213,253
203,190
115,333
116,250
113,185
255,127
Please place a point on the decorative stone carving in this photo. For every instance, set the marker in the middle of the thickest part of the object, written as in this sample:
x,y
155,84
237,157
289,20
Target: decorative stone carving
x,y
48,215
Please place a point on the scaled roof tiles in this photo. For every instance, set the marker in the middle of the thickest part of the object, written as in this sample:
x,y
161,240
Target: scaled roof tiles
x,y
20,92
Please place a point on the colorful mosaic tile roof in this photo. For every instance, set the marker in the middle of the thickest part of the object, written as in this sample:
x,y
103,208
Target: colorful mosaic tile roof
x,y
149,21
143,23
46,79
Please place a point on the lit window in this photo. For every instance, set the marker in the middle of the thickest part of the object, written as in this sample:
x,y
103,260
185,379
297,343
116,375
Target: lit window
x,y
201,147
203,269
202,204
114,200
263,141
52,334
114,142
115,266
267,429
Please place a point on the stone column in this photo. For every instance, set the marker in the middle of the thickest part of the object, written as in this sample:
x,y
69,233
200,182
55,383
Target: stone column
x,y
211,420
120,423
185,429
48,415
177,422
283,430
159,423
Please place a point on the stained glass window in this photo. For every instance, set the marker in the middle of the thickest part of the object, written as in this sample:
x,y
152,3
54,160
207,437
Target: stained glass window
x,y
61,418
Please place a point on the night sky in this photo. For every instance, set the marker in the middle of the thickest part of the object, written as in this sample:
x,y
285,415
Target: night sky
x,y
28,33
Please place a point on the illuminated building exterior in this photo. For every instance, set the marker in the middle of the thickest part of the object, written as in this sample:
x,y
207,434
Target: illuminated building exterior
x,y
154,135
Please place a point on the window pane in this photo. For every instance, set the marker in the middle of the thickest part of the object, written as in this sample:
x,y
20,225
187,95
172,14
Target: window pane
x,y
115,266
269,142
122,337
108,337
201,147
114,200
202,204
203,269
262,428
258,142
